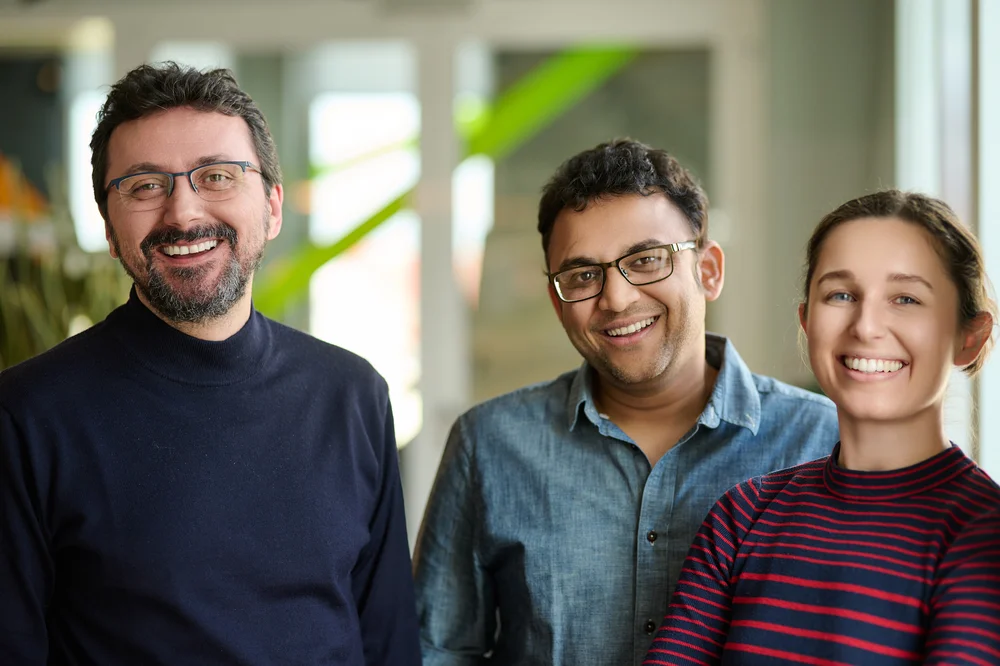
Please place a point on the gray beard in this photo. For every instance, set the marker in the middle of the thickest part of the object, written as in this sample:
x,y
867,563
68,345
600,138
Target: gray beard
x,y
207,302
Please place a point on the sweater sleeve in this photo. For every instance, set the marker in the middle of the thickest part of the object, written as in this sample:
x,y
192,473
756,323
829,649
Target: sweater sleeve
x,y
26,576
382,579
455,596
965,607
697,622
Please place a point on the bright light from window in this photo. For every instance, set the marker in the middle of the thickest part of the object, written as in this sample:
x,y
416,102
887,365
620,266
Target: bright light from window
x,y
368,299
86,218
472,203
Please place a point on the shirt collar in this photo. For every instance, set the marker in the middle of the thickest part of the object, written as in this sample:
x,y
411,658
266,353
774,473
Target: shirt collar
x,y
734,399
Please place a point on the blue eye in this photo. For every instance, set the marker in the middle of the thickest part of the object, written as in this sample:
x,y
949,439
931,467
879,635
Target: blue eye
x,y
905,300
840,297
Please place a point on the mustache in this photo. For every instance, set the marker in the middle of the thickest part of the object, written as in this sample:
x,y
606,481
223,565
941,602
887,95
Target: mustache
x,y
194,234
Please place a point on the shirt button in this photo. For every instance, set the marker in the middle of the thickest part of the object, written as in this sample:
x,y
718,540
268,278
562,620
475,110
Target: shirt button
x,y
650,627
651,536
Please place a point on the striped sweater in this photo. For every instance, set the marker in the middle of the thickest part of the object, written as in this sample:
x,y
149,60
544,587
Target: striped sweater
x,y
829,567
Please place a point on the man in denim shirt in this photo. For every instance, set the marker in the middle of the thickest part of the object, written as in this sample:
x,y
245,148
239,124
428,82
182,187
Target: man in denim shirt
x,y
562,512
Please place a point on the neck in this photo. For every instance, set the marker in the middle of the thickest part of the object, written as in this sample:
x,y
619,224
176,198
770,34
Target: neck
x,y
678,397
215,329
867,445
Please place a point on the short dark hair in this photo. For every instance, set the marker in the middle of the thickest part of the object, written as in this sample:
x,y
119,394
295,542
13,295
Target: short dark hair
x,y
955,244
149,89
618,168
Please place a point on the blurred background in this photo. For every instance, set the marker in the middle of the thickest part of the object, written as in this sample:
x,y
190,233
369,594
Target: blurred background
x,y
415,136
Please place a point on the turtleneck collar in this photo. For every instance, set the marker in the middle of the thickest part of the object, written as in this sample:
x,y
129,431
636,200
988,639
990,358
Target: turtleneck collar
x,y
898,483
182,358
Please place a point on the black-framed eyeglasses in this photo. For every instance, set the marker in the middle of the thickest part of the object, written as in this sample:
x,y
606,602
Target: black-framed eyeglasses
x,y
639,268
149,190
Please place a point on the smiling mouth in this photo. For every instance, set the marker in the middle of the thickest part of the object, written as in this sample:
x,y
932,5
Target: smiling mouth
x,y
630,329
181,250
871,366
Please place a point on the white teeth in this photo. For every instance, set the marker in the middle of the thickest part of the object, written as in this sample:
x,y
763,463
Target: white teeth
x,y
632,328
175,250
871,365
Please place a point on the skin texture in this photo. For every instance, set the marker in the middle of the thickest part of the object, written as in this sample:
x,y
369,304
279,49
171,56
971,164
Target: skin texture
x,y
659,374
207,295
881,291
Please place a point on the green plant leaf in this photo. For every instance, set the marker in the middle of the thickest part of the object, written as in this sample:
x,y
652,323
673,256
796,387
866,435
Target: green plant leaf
x,y
288,277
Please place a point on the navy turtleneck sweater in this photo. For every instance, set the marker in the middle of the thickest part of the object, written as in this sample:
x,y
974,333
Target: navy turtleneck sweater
x,y
167,500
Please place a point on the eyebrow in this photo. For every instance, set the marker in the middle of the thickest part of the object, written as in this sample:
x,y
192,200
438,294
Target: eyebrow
x,y
145,167
893,277
573,262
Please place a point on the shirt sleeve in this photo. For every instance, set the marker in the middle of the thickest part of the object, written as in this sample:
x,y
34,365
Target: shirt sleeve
x,y
455,597
697,621
965,607
382,579
26,572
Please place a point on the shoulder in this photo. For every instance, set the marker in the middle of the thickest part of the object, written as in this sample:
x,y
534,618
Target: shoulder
x,y
63,369
759,491
323,358
531,405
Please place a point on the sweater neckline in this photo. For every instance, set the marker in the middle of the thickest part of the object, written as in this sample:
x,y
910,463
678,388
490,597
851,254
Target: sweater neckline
x,y
897,483
183,358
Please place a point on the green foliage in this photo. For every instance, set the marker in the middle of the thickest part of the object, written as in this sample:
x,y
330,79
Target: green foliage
x,y
44,297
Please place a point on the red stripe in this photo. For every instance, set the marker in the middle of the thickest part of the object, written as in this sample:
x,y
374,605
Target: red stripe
x,y
925,568
841,587
960,657
976,617
981,647
828,638
705,625
703,600
657,662
847,542
836,564
853,523
831,530
782,654
867,618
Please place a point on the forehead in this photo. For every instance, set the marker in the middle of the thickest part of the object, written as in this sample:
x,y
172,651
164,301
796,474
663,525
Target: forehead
x,y
874,248
608,227
177,138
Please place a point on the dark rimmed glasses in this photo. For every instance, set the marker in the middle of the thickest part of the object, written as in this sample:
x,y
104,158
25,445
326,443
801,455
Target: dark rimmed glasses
x,y
149,190
640,268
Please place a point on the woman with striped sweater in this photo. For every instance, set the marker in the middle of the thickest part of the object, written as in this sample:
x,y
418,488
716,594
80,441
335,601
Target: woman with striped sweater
x,y
887,551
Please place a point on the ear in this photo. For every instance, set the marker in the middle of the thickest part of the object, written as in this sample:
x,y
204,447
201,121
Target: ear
x,y
274,203
107,237
802,316
556,303
711,270
972,340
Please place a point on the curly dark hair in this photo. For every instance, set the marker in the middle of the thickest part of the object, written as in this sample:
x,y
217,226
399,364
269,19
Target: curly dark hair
x,y
149,89
618,168
955,244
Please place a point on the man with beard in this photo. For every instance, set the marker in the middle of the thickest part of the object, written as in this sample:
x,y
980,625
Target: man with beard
x,y
189,482
562,512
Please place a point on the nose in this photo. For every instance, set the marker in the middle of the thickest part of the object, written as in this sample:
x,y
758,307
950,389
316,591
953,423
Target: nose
x,y
618,293
183,206
869,320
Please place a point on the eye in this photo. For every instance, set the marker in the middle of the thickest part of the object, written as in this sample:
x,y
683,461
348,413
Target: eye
x,y
583,277
839,297
905,300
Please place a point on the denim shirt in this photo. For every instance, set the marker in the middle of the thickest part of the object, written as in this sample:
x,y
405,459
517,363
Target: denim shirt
x,y
548,539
